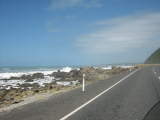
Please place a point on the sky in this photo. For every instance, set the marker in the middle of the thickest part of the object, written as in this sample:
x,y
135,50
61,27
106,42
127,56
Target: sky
x,y
77,32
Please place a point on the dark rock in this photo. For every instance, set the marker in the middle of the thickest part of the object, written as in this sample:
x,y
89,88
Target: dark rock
x,y
25,85
14,78
59,74
37,75
29,80
36,91
75,73
29,77
26,77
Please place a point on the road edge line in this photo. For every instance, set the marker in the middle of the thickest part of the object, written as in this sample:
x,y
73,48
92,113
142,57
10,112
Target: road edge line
x,y
91,100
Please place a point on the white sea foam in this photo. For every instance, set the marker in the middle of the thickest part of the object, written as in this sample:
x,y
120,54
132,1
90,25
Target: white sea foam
x,y
7,84
18,74
107,68
121,66
42,82
67,83
66,69
10,83
7,75
125,66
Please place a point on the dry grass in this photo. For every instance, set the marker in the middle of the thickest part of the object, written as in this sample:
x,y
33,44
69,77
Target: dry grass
x,y
146,65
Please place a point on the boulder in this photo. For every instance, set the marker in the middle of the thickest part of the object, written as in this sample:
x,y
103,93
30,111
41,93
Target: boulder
x,y
26,77
59,74
38,76
75,73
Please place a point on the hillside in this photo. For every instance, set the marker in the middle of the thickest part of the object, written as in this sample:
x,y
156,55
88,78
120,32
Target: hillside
x,y
154,58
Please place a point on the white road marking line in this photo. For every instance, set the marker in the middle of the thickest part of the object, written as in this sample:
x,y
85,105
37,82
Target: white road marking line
x,y
85,104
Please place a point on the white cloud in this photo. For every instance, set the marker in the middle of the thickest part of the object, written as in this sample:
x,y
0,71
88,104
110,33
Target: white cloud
x,y
123,34
62,4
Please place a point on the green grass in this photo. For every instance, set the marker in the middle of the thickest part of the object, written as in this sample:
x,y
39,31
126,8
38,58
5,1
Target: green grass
x,y
154,58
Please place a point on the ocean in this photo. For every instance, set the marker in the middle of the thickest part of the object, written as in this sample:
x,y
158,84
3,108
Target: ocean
x,y
7,72
14,71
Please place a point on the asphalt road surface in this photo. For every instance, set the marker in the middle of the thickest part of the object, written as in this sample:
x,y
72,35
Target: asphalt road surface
x,y
128,96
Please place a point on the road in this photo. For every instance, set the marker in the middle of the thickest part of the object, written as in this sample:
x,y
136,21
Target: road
x,y
128,96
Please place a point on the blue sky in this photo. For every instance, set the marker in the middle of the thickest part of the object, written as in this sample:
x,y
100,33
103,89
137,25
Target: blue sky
x,y
77,32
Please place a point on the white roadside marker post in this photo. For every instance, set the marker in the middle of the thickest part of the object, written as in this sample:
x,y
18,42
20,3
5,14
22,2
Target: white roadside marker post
x,y
83,86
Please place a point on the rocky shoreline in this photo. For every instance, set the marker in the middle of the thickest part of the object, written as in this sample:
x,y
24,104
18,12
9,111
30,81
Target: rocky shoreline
x,y
15,89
